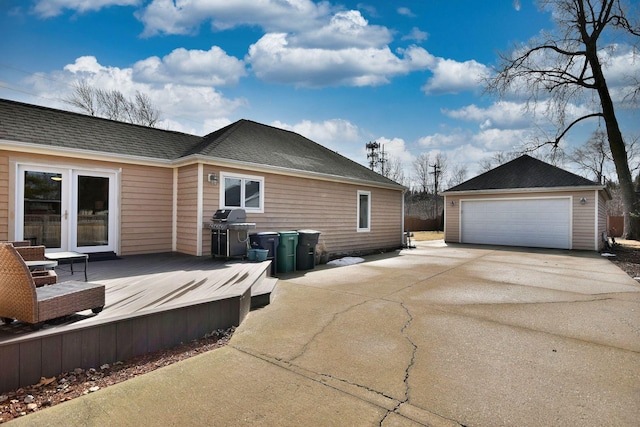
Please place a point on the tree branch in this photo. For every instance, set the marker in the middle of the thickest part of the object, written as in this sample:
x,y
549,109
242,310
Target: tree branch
x,y
566,129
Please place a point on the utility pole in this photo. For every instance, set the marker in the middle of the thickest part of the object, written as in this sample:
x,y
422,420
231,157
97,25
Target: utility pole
x,y
435,173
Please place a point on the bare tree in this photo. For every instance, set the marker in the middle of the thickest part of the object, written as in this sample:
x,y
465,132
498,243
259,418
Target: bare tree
x,y
498,158
394,170
421,171
84,97
458,175
593,156
113,104
564,66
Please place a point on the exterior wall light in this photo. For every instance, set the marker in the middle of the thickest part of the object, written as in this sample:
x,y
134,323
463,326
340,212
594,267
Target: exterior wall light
x,y
453,203
212,178
583,200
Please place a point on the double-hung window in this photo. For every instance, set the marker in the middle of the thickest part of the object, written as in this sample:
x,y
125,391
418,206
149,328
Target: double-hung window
x,y
242,191
364,211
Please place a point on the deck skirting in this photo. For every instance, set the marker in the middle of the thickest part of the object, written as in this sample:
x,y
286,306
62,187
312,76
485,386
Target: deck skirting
x,y
117,336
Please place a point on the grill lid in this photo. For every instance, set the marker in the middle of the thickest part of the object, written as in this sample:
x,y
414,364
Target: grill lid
x,y
229,215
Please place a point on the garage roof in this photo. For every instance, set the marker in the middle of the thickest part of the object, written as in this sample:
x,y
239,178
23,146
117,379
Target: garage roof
x,y
525,172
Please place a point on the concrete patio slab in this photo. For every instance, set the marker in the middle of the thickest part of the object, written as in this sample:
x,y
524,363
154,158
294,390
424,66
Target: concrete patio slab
x,y
438,335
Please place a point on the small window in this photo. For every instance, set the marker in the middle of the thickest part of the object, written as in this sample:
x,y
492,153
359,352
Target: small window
x,y
364,211
239,191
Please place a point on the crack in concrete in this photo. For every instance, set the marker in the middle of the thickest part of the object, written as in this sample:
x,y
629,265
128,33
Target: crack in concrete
x,y
329,323
409,366
393,405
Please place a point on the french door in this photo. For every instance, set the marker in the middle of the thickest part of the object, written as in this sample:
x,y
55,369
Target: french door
x,y
67,209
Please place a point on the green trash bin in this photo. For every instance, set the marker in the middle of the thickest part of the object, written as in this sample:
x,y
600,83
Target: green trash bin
x,y
287,251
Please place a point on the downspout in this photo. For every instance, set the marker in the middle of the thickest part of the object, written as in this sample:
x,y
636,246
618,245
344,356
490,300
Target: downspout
x,y
597,221
199,209
174,213
402,231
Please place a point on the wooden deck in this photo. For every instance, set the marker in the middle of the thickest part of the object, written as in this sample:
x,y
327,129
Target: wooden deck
x,y
152,302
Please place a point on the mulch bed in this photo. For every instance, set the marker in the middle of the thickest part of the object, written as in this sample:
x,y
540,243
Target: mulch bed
x,y
627,257
69,385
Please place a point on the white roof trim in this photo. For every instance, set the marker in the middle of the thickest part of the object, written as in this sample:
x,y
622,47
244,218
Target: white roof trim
x,y
525,190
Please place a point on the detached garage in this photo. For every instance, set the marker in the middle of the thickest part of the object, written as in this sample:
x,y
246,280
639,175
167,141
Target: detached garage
x,y
527,202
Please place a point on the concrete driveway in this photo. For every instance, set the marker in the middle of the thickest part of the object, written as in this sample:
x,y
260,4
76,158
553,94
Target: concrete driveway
x,y
457,335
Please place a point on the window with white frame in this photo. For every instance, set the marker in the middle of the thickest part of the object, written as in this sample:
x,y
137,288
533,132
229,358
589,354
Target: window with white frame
x,y
242,191
364,211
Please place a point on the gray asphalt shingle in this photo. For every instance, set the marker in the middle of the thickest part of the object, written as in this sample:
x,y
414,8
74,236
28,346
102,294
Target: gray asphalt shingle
x,y
243,141
524,172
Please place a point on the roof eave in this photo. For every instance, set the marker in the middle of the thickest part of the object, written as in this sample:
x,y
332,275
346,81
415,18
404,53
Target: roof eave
x,y
78,153
219,161
524,190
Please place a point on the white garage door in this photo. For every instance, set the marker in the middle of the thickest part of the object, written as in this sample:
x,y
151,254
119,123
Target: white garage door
x,y
543,223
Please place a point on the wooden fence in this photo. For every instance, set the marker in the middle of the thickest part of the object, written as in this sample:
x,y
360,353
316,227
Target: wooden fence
x,y
414,223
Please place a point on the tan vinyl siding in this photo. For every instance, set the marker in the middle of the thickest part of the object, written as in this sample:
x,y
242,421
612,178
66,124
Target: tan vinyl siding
x,y
4,196
146,209
451,219
583,218
293,203
602,219
187,229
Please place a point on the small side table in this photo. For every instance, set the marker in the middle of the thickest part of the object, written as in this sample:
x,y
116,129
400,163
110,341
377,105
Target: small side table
x,y
69,256
41,265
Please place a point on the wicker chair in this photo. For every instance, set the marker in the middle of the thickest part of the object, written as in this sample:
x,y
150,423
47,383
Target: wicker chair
x,y
36,253
21,300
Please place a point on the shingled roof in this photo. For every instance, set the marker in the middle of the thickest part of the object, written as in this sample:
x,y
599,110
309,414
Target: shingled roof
x,y
525,172
63,129
244,142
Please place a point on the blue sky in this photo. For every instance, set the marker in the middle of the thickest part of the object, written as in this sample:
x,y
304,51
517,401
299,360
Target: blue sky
x,y
403,73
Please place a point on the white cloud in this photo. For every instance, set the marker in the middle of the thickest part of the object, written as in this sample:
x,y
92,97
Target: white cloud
x,y
493,140
187,108
417,35
305,43
405,11
500,114
273,60
185,16
51,8
333,134
451,76
439,140
395,148
345,29
196,67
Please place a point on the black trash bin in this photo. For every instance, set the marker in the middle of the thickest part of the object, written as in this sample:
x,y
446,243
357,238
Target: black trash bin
x,y
267,240
306,250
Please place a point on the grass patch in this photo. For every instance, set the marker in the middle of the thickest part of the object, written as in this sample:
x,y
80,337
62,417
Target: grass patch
x,y
420,236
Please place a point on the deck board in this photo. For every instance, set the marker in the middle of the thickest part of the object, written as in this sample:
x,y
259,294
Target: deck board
x,y
152,302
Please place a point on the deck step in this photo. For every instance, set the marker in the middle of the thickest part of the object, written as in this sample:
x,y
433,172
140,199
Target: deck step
x,y
261,292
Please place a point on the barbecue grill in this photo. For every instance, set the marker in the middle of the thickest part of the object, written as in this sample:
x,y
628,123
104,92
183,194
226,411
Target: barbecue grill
x,y
229,233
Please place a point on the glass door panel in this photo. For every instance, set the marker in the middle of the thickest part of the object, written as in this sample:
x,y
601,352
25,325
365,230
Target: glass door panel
x,y
43,208
92,211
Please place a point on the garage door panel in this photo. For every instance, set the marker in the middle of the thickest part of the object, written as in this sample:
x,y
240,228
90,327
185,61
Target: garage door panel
x,y
522,222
